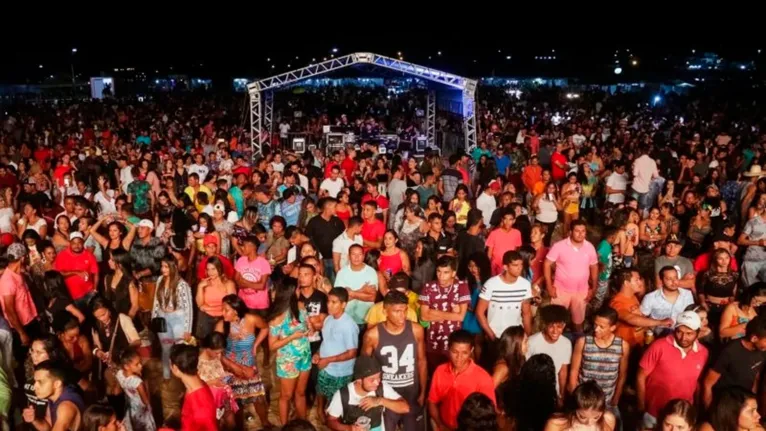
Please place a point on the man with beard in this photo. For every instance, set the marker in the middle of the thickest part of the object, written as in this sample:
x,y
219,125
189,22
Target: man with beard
x,y
80,270
670,368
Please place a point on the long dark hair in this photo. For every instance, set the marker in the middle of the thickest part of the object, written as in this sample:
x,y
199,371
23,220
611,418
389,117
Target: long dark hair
x,y
481,260
587,396
371,258
429,250
510,350
122,259
531,398
97,416
726,408
477,414
285,300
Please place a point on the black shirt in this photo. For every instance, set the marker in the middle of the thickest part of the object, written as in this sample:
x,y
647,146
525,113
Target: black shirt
x,y
315,305
467,245
738,366
323,232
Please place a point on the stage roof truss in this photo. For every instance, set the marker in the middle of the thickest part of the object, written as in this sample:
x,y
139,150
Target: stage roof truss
x,y
465,85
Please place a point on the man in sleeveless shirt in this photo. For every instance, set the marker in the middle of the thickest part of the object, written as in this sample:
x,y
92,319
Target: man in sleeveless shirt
x,y
366,396
399,345
65,405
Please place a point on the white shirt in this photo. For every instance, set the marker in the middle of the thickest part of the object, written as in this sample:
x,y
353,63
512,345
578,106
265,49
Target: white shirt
x,y
487,204
284,129
126,177
341,245
578,139
505,300
6,214
332,187
644,169
107,206
335,409
200,170
560,351
304,181
617,182
278,167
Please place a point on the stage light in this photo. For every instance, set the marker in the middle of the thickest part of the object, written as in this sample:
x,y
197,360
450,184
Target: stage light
x,y
429,57
507,57
399,53
41,66
657,99
553,51
74,50
742,67
617,70
634,62
288,66
759,51
313,59
268,60
296,57
334,50
272,66
440,53
694,51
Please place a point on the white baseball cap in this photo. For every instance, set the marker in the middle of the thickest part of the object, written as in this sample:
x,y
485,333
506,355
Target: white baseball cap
x,y
690,319
146,223
75,235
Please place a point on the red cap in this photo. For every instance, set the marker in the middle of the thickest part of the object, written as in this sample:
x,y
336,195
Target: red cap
x,y
495,185
6,239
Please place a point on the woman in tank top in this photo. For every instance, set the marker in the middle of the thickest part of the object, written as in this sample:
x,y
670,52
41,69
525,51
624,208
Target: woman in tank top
x,y
392,258
116,238
343,208
119,286
547,207
210,293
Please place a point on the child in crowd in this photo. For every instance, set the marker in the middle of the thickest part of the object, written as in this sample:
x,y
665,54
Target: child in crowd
x,y
211,372
138,412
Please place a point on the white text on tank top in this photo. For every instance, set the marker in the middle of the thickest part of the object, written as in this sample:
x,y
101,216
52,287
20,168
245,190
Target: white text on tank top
x,y
396,354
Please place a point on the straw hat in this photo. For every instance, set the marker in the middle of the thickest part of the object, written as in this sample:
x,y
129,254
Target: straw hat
x,y
755,171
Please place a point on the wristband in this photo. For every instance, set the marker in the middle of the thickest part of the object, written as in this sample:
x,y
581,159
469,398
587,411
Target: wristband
x,y
95,351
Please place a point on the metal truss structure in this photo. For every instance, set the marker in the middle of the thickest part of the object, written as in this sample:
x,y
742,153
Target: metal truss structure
x,y
261,120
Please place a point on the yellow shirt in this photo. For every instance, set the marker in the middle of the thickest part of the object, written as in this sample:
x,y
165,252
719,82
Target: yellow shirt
x,y
193,195
376,314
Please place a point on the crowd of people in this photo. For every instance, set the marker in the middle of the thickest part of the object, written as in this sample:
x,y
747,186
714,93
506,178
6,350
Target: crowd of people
x,y
597,268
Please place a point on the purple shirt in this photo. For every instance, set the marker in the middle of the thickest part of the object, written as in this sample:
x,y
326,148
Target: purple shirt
x,y
572,265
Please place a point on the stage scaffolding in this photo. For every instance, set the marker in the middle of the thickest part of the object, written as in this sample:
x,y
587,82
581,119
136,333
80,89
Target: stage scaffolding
x,y
262,93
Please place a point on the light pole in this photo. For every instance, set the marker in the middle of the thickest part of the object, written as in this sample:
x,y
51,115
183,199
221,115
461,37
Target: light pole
x,y
71,66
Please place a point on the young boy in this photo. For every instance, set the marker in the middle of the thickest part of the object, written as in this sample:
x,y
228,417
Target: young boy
x,y
602,357
605,264
336,356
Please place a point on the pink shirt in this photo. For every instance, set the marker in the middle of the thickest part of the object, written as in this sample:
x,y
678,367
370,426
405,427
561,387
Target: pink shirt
x,y
253,271
671,373
12,284
572,265
501,241
644,169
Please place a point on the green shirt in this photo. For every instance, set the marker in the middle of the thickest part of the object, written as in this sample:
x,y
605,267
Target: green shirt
x,y
140,191
605,258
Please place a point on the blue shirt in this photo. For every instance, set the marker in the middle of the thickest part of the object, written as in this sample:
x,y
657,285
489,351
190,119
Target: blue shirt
x,y
291,211
470,323
338,336
143,140
502,163
267,211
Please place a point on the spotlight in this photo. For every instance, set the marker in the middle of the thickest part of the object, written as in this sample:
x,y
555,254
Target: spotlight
x,y
617,70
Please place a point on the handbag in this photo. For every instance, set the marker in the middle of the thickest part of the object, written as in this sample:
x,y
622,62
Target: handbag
x,y
158,324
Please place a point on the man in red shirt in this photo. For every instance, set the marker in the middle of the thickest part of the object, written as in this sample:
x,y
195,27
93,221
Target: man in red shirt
x,y
372,228
454,381
375,196
349,165
335,161
210,243
199,408
79,268
559,165
671,368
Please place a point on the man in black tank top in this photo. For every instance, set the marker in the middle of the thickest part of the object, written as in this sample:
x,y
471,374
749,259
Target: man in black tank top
x,y
399,346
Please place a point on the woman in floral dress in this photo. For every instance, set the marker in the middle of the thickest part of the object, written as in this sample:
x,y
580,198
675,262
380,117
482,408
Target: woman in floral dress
x,y
288,336
239,359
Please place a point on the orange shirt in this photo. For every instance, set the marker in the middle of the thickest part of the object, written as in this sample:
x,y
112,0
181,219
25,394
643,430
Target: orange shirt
x,y
531,176
624,306
449,390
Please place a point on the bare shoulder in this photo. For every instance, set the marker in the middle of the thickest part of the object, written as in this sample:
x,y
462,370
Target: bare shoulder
x,y
707,427
609,420
557,422
418,330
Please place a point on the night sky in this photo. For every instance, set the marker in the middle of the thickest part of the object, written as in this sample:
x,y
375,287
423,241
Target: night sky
x,y
226,43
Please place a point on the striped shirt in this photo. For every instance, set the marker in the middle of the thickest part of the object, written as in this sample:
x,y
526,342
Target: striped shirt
x,y
601,364
504,308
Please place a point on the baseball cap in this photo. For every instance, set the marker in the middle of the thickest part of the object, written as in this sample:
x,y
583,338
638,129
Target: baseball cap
x,y
400,280
31,181
75,235
674,238
146,223
6,239
209,239
366,366
16,251
494,185
690,319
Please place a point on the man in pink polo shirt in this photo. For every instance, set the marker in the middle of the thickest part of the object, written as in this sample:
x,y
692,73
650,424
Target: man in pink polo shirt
x,y
252,275
671,368
504,238
576,272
